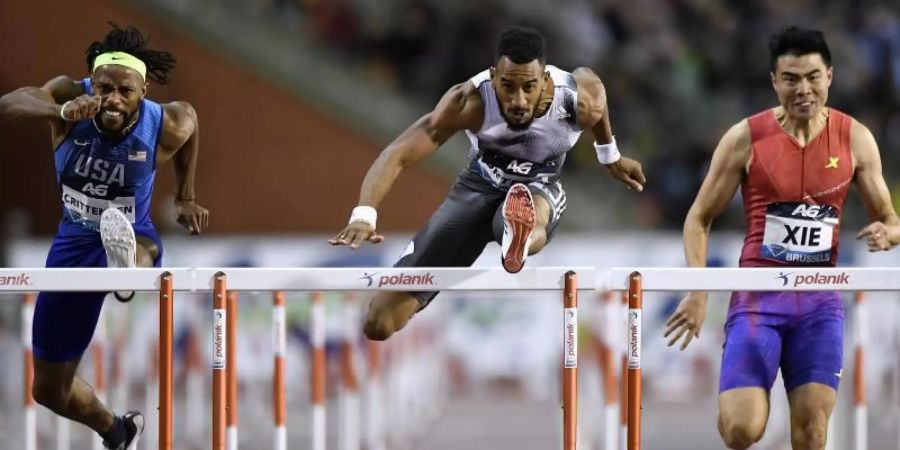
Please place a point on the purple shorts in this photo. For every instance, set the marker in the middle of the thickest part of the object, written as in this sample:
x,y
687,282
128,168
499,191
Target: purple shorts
x,y
800,332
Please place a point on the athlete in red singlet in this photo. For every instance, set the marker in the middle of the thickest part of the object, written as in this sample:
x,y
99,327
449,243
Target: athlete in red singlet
x,y
794,164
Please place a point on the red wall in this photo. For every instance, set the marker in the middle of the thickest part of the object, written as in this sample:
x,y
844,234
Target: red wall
x,y
268,163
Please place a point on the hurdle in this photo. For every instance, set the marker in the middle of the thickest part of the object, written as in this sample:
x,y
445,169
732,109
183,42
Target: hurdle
x,y
636,281
279,391
221,281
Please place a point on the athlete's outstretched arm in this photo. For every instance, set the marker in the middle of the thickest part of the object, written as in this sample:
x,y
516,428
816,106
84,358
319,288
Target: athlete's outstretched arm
x,y
180,141
593,114
726,172
460,108
46,102
39,103
884,231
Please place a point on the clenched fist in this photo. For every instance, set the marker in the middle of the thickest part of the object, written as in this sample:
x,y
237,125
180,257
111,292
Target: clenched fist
x,y
84,107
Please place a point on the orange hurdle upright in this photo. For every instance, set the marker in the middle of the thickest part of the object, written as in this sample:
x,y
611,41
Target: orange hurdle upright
x,y
279,394
220,349
166,351
570,361
633,386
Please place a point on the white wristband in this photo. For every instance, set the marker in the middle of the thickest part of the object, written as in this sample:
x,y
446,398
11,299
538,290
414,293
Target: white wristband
x,y
365,214
62,111
607,153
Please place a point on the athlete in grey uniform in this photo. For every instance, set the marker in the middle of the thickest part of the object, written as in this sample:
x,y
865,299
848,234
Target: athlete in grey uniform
x,y
521,116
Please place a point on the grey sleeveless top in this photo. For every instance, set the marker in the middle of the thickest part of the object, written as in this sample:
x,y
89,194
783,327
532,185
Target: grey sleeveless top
x,y
503,156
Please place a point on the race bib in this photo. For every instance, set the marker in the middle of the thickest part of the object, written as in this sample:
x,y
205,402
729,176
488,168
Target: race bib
x,y
86,210
799,233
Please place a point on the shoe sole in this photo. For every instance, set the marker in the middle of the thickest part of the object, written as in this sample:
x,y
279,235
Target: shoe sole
x,y
118,239
119,242
519,216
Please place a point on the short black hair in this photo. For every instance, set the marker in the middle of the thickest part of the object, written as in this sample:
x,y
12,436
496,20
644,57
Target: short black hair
x,y
521,45
798,41
130,40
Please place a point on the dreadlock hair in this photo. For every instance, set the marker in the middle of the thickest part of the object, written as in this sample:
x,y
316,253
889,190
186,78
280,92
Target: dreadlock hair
x,y
130,40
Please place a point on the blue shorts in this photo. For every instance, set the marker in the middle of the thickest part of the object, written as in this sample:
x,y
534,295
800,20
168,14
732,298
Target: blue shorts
x,y
800,332
64,322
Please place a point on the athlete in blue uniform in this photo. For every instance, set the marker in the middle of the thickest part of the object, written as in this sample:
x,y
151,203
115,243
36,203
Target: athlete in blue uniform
x,y
108,140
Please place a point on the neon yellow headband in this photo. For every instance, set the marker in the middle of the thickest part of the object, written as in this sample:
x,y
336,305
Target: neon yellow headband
x,y
121,59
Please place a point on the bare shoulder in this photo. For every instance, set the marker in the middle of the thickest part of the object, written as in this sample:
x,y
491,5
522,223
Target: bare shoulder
x,y
863,146
738,136
734,147
63,88
180,110
180,115
591,96
179,123
587,79
860,135
460,108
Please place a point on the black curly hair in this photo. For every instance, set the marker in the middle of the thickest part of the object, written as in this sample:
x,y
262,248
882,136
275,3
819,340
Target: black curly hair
x,y
130,40
521,45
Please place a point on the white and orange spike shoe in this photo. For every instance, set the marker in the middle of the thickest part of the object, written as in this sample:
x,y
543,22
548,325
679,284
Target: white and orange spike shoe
x,y
518,224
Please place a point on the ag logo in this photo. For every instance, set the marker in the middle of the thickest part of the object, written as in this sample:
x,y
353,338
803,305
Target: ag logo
x,y
95,189
521,168
811,211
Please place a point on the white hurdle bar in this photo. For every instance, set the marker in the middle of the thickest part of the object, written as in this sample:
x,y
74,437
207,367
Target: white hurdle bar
x,y
757,279
638,280
168,281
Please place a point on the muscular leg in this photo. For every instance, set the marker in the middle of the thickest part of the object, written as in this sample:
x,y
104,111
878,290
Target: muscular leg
x,y
743,413
57,388
811,367
146,251
542,219
388,313
454,237
811,406
750,360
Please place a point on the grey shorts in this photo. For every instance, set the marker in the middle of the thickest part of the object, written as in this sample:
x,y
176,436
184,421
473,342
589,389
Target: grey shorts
x,y
469,219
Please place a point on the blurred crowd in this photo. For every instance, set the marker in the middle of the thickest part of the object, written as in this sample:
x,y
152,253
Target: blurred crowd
x,y
678,72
